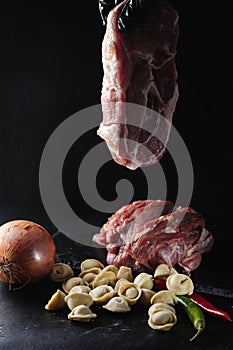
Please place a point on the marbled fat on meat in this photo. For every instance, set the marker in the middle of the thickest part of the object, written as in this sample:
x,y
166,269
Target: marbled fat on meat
x,y
139,68
146,233
121,225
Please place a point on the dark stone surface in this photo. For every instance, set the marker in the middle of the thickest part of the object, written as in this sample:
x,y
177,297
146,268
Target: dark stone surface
x,y
25,324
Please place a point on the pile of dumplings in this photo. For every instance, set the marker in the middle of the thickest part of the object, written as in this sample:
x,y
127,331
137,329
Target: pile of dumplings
x,y
117,290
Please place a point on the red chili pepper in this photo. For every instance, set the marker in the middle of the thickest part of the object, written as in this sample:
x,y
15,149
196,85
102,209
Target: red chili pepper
x,y
199,300
160,284
208,307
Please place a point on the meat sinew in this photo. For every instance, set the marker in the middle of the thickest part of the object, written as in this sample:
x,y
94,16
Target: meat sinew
x,y
146,233
139,68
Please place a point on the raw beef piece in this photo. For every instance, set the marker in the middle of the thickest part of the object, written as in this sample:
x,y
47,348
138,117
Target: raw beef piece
x,y
121,225
136,238
139,68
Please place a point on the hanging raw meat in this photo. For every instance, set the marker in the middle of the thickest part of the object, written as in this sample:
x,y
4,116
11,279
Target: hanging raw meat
x,y
139,68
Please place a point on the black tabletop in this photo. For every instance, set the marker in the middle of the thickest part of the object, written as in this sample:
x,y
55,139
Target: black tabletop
x,y
24,322
50,69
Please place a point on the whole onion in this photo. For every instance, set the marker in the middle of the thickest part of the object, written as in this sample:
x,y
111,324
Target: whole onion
x,y
27,252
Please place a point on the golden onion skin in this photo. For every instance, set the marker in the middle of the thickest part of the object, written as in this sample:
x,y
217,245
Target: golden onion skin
x,y
27,252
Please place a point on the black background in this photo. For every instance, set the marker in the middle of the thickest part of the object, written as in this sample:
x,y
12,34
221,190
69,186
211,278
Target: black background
x,y
50,68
